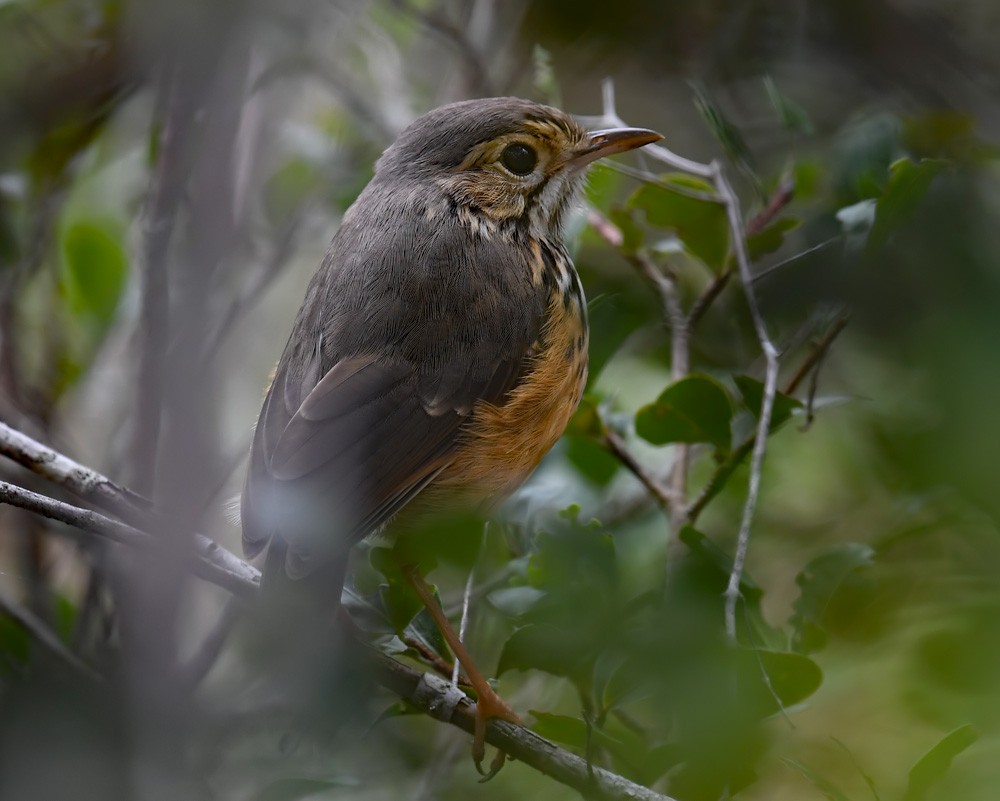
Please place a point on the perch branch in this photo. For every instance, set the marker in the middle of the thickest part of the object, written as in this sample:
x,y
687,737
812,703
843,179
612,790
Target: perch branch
x,y
425,691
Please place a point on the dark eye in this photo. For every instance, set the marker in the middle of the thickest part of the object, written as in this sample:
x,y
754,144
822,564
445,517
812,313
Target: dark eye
x,y
519,159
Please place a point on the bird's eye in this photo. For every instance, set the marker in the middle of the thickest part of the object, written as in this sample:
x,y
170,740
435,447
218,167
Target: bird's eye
x,y
519,159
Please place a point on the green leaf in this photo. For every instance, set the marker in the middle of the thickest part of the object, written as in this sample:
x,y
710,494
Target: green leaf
x,y
400,603
933,765
65,617
825,786
15,645
592,461
515,601
866,148
613,319
632,235
824,586
571,732
602,185
700,224
94,268
712,555
423,629
552,649
694,409
792,677
439,536
752,391
905,190
791,114
771,238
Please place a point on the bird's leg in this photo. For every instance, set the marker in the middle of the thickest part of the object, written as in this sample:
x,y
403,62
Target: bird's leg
x,y
488,703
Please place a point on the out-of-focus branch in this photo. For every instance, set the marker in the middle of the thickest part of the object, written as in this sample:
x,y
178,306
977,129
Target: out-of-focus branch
x,y
428,693
210,565
91,486
161,215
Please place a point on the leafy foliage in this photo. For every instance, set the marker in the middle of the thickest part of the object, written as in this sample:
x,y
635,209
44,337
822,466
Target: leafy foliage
x,y
869,603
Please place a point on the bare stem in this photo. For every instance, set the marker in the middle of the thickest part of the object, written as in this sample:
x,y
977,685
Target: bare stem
x,y
616,446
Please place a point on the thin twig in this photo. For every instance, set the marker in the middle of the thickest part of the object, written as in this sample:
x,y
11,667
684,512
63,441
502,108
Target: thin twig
x,y
781,198
818,352
279,260
767,403
739,453
797,256
478,78
617,447
46,637
680,360
707,298
467,600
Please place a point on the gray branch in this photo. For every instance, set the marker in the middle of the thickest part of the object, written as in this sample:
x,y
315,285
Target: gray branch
x,y
221,566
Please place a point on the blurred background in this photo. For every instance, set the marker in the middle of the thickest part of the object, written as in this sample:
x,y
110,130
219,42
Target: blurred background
x,y
170,176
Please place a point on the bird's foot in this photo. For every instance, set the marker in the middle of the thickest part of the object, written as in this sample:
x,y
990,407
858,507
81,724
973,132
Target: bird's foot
x,y
489,706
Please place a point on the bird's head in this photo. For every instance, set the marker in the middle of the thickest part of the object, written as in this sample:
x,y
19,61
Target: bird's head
x,y
503,159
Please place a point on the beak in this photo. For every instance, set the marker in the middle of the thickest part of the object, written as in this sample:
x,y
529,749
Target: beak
x,y
599,144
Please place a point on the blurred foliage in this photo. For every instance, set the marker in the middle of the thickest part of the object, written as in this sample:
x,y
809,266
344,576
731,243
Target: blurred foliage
x,y
867,625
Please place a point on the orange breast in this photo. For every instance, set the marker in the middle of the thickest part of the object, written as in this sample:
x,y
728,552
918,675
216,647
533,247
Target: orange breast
x,y
502,445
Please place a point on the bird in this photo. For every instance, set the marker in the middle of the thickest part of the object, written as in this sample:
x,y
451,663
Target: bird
x,y
439,352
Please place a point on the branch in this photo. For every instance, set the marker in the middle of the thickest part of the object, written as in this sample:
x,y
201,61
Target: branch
x,y
91,486
425,691
436,697
767,404
617,447
161,215
209,566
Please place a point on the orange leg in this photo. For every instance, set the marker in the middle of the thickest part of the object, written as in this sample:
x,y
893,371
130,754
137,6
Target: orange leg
x,y
488,703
